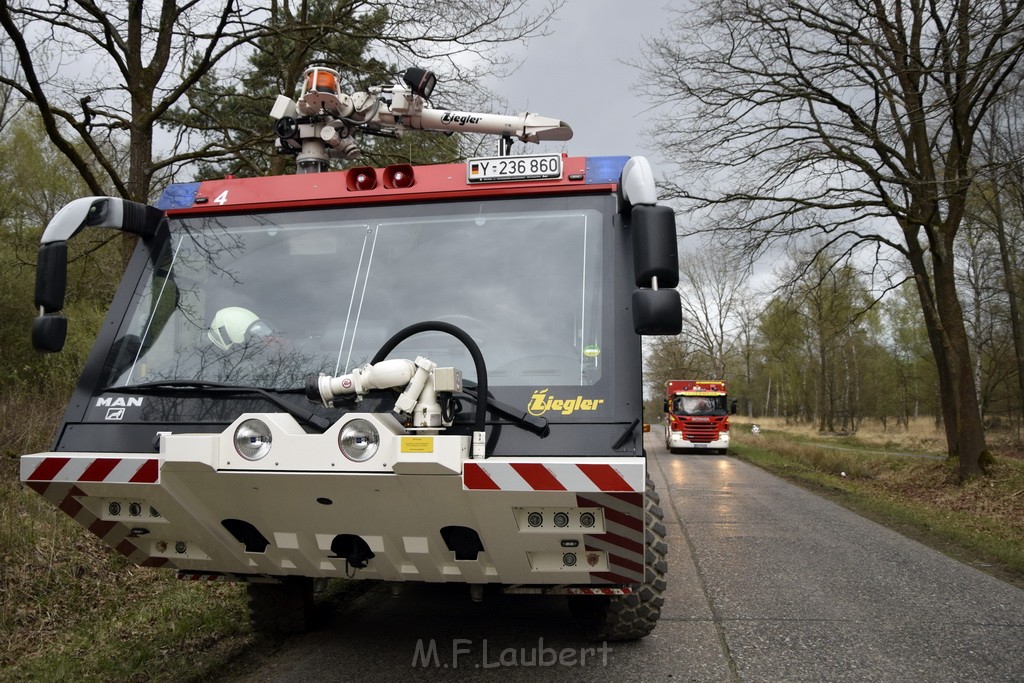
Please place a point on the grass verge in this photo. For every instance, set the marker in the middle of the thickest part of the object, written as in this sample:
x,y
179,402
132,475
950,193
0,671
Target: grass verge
x,y
72,609
980,522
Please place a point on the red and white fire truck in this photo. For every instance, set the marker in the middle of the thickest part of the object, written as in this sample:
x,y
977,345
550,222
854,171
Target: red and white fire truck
x,y
411,373
696,415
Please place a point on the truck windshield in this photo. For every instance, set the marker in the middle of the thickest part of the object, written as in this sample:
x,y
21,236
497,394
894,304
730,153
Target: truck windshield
x,y
699,405
267,299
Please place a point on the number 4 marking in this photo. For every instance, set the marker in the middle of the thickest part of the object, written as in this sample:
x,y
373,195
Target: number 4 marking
x,y
222,198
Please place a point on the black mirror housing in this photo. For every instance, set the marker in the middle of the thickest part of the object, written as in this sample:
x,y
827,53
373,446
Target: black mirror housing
x,y
51,276
655,250
657,311
49,332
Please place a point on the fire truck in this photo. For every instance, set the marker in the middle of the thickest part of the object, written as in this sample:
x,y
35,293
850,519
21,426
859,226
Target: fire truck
x,y
697,415
402,374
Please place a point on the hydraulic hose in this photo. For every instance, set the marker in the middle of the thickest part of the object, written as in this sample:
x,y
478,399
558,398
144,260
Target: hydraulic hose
x,y
467,341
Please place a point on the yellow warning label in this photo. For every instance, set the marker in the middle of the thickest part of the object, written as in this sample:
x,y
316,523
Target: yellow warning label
x,y
417,444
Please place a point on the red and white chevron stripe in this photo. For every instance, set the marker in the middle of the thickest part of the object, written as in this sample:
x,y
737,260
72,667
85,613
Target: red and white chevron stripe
x,y
623,540
553,476
45,468
57,479
67,497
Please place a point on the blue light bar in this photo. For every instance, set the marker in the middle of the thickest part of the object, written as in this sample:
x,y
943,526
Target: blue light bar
x,y
179,196
604,169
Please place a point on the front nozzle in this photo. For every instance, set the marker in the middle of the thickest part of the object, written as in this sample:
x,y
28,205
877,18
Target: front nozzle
x,y
313,388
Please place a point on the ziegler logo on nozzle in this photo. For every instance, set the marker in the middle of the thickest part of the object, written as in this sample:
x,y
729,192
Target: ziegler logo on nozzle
x,y
460,118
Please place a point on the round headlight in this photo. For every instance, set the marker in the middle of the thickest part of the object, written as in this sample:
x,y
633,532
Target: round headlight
x,y
252,439
358,440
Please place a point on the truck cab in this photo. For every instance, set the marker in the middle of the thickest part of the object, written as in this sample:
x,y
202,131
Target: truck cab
x,y
411,373
697,415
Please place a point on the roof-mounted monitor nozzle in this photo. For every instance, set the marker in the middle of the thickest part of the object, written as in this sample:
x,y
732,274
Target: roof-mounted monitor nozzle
x,y
321,124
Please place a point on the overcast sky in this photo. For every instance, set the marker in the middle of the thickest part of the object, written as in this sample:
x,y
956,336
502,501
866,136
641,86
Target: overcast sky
x,y
576,74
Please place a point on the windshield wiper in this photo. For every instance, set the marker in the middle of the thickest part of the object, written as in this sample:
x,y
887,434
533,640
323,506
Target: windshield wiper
x,y
298,411
531,423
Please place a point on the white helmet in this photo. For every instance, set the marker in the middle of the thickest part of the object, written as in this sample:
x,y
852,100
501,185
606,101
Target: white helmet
x,y
237,325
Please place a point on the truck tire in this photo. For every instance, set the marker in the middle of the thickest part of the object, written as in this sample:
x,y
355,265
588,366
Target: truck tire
x,y
628,617
285,607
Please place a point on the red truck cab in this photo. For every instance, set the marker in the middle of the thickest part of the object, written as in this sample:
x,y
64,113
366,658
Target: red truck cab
x,y
697,415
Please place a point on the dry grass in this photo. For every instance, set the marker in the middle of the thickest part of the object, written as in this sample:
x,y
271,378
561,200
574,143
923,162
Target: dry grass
x,y
994,500
922,435
71,608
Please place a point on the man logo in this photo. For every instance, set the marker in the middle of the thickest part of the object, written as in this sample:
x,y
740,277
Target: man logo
x,y
115,414
119,402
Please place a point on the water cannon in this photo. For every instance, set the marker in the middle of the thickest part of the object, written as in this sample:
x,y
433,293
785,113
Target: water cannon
x,y
321,124
419,383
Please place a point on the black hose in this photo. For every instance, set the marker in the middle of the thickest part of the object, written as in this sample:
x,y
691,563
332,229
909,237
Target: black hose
x,y
467,341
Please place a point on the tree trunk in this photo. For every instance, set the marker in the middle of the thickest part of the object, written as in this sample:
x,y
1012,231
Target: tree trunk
x,y
1007,260
824,413
944,320
140,153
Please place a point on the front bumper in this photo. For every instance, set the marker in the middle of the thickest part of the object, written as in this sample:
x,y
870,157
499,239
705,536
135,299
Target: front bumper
x,y
676,439
540,521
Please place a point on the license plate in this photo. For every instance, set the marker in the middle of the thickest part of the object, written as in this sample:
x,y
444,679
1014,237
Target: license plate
x,y
499,169
700,445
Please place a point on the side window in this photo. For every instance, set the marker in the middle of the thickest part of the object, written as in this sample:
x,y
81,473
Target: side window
x,y
156,306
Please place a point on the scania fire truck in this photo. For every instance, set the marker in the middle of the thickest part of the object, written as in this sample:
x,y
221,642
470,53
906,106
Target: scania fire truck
x,y
696,415
411,373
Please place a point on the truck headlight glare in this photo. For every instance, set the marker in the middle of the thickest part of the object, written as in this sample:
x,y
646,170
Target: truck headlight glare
x,y
358,440
253,439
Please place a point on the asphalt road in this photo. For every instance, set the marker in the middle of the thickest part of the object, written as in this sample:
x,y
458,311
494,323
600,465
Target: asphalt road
x,y
767,582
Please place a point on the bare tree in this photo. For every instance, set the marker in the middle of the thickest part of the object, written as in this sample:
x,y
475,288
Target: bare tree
x,y
105,73
142,61
788,351
9,106
747,340
669,358
999,206
852,119
711,290
978,280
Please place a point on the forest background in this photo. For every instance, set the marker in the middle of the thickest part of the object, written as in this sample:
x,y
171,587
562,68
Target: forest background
x,y
839,230
848,179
